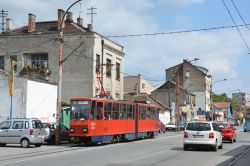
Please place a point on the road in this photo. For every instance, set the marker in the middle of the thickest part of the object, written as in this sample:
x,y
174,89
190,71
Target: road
x,y
164,150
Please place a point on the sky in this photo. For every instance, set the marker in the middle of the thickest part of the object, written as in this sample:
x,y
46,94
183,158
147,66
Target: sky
x,y
222,51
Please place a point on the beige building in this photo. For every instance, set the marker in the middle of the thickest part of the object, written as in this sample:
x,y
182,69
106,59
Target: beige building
x,y
137,85
85,52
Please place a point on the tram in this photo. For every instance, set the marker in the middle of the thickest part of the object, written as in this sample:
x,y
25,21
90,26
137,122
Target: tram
x,y
95,120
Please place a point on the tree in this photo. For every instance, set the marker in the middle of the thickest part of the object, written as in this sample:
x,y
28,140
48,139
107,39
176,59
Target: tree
x,y
223,98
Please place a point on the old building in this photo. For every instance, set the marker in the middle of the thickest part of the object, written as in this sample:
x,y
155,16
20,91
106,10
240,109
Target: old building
x,y
35,47
167,94
137,85
194,79
242,98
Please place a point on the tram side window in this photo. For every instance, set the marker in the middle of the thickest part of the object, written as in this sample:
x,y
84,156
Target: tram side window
x,y
142,113
92,113
123,113
130,111
107,111
115,111
99,111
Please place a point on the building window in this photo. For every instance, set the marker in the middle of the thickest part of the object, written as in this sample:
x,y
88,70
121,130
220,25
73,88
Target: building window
x,y
98,63
39,60
2,62
187,73
108,67
117,71
13,58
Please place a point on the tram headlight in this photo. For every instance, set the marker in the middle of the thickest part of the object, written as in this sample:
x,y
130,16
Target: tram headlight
x,y
85,130
72,130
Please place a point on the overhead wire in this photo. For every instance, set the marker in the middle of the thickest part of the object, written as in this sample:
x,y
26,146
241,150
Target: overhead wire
x,y
236,26
240,14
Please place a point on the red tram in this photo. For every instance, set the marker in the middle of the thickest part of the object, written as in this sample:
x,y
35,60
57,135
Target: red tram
x,y
104,120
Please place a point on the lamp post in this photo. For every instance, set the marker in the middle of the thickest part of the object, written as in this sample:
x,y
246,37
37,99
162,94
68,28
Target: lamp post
x,y
59,91
211,92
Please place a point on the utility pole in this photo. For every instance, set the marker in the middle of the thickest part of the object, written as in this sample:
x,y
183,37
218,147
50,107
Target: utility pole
x,y
92,13
177,84
3,14
59,91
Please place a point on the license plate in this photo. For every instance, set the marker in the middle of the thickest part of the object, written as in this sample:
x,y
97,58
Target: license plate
x,y
198,136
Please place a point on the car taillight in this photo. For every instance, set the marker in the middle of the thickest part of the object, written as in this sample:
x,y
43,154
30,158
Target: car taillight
x,y
72,130
211,135
185,135
31,132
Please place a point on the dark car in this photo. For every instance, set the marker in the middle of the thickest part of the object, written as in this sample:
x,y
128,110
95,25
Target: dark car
x,y
50,133
162,128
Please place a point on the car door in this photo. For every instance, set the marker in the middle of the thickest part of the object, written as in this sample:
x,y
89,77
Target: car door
x,y
217,133
4,131
16,131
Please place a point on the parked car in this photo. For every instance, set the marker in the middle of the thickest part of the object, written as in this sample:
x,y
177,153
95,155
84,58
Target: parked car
x,y
22,131
170,126
228,131
247,127
202,134
182,126
50,133
162,128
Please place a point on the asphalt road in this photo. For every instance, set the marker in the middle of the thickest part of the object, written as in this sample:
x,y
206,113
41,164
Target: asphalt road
x,y
164,150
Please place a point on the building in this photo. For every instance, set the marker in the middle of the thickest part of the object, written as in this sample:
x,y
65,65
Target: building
x,y
242,98
137,85
167,95
195,80
35,47
31,99
220,111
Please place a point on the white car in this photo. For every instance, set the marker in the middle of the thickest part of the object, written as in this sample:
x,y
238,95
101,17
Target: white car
x,y
202,134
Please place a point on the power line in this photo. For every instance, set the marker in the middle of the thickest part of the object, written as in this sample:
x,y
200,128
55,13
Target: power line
x,y
236,26
176,32
239,13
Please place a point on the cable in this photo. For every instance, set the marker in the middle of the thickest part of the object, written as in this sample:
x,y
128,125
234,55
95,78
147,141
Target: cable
x,y
239,14
72,52
236,26
175,32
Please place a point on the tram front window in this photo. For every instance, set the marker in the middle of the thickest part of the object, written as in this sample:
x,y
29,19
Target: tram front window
x,y
80,110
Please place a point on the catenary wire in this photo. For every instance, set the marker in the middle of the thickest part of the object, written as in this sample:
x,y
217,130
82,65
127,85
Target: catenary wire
x,y
236,26
240,14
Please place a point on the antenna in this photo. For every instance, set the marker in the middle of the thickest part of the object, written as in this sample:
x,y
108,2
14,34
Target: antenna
x,y
3,14
92,14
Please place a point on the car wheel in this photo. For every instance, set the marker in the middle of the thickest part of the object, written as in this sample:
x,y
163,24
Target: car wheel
x,y
38,145
185,147
221,146
214,148
25,143
2,145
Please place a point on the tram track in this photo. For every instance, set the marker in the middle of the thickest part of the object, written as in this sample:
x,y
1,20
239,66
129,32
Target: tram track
x,y
238,157
37,153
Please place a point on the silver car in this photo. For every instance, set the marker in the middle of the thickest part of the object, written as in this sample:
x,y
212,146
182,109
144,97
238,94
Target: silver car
x,y
202,134
22,131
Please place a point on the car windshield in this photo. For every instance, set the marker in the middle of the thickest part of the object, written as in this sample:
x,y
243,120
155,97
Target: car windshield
x,y
170,123
80,109
223,126
198,126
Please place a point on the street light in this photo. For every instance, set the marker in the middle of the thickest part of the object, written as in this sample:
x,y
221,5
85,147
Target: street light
x,y
59,91
211,91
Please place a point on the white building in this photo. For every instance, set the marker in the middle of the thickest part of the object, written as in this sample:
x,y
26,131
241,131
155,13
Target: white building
x,y
31,99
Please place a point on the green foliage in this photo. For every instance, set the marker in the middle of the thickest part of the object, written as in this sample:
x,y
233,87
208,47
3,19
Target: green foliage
x,y
223,98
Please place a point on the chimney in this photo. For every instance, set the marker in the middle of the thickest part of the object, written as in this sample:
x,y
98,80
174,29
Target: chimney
x,y
9,24
69,17
31,22
60,18
90,27
80,21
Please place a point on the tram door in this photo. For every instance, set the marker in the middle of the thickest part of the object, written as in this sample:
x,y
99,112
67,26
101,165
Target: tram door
x,y
99,117
107,117
136,117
